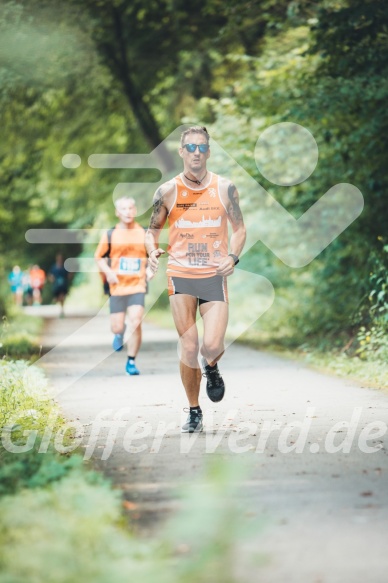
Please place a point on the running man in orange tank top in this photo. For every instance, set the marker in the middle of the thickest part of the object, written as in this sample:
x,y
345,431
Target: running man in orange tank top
x,y
123,260
198,205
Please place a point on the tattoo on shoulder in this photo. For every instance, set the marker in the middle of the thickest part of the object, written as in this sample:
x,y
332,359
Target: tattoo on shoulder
x,y
235,210
158,200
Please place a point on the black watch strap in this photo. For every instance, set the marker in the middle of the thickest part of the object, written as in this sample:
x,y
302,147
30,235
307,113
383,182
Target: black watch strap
x,y
234,257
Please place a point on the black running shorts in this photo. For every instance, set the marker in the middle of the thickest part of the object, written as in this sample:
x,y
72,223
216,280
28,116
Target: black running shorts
x,y
206,289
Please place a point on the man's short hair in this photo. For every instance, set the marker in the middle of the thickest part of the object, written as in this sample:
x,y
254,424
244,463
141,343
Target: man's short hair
x,y
125,197
195,130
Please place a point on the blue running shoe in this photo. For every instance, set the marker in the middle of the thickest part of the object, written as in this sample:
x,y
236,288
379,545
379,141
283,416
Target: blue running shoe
x,y
118,342
131,368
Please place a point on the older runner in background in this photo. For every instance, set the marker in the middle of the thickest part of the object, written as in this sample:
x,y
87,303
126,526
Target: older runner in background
x,y
122,257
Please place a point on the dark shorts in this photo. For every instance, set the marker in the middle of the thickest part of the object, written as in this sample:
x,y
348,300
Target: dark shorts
x,y
119,304
206,289
60,290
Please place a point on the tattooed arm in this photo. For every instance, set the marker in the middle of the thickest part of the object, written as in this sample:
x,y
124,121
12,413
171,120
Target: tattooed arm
x,y
157,222
238,237
230,198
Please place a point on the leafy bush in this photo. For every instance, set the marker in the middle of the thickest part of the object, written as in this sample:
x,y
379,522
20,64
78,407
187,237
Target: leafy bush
x,y
31,469
62,534
25,404
372,343
70,531
372,336
26,409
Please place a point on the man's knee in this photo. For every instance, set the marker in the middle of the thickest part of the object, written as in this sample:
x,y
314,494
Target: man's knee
x,y
190,349
135,322
117,327
213,349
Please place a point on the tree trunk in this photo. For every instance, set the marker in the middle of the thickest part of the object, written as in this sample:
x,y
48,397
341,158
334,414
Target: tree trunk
x,y
139,107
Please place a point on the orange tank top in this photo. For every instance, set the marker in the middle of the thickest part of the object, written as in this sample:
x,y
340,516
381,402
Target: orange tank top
x,y
198,230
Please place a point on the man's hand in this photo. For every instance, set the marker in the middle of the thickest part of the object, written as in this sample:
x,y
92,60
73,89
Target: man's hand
x,y
153,259
226,266
112,278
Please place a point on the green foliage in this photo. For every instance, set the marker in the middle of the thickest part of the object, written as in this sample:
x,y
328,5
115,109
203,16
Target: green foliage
x,y
32,469
378,286
300,77
372,343
24,399
63,533
118,76
372,336
70,530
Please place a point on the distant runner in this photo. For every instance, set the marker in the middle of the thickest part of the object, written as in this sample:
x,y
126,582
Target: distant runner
x,y
198,205
59,277
38,279
122,257
15,280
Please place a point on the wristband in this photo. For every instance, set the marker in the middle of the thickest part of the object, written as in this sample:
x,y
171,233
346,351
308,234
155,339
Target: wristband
x,y
234,257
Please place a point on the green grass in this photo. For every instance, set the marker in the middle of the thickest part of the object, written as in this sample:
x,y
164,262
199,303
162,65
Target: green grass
x,y
372,372
19,336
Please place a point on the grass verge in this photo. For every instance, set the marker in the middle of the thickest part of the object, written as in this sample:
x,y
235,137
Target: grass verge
x,y
19,336
372,372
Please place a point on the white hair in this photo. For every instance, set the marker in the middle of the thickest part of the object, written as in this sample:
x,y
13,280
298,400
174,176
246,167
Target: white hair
x,y
125,197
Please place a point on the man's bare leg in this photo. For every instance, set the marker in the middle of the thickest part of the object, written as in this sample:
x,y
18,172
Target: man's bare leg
x,y
117,322
135,317
184,310
215,321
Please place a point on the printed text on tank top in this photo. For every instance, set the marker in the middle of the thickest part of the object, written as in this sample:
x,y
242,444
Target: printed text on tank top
x,y
198,231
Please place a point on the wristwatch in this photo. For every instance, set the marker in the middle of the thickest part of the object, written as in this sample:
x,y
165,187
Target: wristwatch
x,y
235,258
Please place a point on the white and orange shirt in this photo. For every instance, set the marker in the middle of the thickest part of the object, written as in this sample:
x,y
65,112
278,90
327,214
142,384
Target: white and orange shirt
x,y
128,259
198,230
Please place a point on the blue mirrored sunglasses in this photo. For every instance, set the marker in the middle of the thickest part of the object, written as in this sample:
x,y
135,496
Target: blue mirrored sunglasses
x,y
203,148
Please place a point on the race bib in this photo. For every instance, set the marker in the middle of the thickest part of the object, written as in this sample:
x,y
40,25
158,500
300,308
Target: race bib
x,y
129,266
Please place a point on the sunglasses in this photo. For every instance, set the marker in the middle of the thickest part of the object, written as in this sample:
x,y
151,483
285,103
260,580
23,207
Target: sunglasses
x,y
203,148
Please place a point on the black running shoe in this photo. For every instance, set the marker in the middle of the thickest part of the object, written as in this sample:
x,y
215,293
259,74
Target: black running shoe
x,y
194,421
215,386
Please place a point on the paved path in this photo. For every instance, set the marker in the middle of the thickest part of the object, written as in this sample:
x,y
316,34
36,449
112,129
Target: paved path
x,y
326,513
